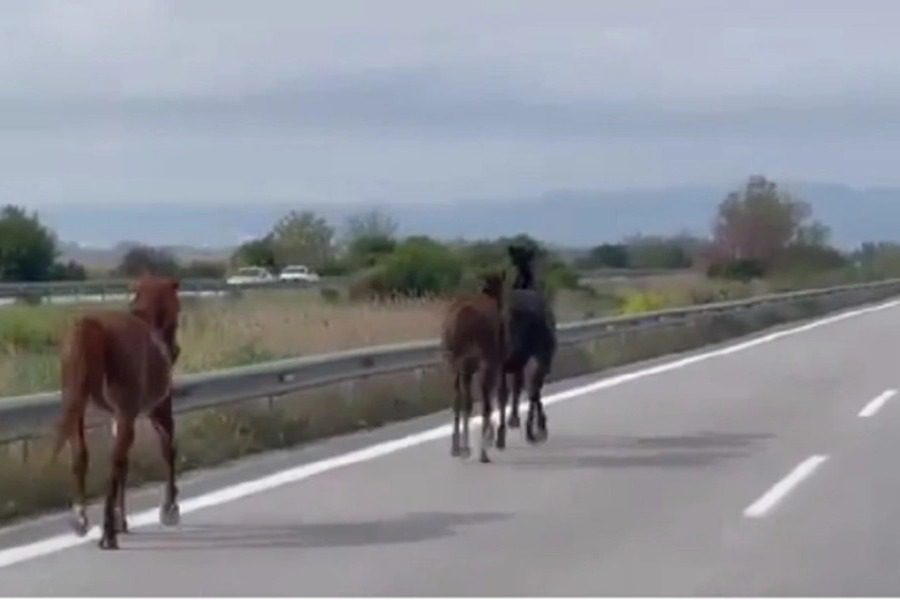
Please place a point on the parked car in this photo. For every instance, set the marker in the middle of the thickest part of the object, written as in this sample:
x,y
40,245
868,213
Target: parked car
x,y
298,273
248,275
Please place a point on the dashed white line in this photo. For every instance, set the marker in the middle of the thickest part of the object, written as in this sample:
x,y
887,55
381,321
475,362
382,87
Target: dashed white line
x,y
17,554
777,493
875,405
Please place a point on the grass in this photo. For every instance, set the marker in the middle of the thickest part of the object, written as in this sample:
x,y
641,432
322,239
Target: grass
x,y
213,437
258,326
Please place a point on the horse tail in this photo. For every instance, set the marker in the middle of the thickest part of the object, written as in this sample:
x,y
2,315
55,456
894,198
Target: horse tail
x,y
83,367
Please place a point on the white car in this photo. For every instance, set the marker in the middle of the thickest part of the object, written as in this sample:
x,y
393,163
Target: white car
x,y
249,275
298,273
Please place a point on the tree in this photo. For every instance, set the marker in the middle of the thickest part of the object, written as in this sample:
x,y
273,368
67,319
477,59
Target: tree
x,y
368,238
255,253
145,260
371,224
27,248
302,238
758,222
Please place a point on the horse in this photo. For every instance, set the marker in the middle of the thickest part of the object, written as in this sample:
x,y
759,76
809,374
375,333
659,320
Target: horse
x,y
121,361
530,333
473,343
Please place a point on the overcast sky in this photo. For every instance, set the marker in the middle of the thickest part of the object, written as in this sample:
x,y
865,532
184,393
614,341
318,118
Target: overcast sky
x,y
225,101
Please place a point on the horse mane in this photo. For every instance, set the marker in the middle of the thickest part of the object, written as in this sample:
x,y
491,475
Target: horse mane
x,y
522,258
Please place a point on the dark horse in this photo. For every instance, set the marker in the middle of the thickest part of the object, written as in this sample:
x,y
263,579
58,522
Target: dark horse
x,y
473,343
530,336
122,362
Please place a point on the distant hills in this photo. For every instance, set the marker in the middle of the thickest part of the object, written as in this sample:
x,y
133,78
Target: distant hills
x,y
576,218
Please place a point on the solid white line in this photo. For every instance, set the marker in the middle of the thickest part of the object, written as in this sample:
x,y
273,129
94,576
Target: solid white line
x,y
17,554
875,405
781,489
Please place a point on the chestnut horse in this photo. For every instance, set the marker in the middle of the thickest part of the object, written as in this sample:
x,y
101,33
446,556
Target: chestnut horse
x,y
530,333
122,362
473,343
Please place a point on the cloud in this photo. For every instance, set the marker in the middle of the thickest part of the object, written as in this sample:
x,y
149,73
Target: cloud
x,y
221,99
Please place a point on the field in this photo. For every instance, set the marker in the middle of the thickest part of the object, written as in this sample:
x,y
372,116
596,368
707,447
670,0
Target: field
x,y
260,326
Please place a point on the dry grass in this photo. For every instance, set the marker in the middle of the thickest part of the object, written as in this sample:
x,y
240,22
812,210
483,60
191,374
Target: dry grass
x,y
223,332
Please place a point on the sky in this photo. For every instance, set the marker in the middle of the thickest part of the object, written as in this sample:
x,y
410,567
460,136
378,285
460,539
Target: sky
x,y
232,102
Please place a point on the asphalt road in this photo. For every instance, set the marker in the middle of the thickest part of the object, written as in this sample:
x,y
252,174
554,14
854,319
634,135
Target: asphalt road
x,y
740,470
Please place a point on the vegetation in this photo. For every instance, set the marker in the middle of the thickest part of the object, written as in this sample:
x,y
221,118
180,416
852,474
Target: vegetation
x,y
28,249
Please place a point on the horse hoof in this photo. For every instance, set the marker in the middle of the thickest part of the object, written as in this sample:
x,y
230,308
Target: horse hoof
x,y
489,434
79,525
514,423
485,458
465,452
121,522
501,440
108,543
455,452
170,515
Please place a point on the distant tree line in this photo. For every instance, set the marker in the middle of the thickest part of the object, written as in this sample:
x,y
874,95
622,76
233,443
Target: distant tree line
x,y
759,230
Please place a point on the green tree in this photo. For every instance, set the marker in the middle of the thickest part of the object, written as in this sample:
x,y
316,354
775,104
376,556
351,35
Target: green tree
x,y
255,253
302,238
28,250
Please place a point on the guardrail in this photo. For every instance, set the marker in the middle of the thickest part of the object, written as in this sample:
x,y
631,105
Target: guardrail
x,y
116,288
25,417
103,290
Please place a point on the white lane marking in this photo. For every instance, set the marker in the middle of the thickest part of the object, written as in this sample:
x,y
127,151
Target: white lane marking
x,y
781,489
875,405
17,554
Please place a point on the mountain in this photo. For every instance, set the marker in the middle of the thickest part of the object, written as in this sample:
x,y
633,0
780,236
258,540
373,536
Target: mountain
x,y
575,218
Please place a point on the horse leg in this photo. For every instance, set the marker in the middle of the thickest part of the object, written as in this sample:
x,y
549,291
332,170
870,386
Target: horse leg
x,y
78,445
502,399
535,406
455,449
164,425
466,451
488,383
124,439
518,376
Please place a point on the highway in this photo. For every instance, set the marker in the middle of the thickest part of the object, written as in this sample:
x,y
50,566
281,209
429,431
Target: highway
x,y
765,466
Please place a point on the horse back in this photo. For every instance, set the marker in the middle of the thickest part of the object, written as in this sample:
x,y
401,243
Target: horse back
x,y
123,354
473,326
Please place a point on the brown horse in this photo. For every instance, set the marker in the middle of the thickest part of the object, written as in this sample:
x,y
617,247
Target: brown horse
x,y
473,343
122,362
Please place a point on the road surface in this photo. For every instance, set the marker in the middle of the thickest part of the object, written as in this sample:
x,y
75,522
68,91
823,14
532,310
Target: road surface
x,y
767,466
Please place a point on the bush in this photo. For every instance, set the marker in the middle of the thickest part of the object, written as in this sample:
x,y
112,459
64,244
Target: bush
x,y
740,270
70,271
642,302
418,267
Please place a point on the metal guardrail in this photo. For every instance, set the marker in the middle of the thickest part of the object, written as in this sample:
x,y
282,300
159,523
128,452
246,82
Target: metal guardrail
x,y
108,288
26,416
117,287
